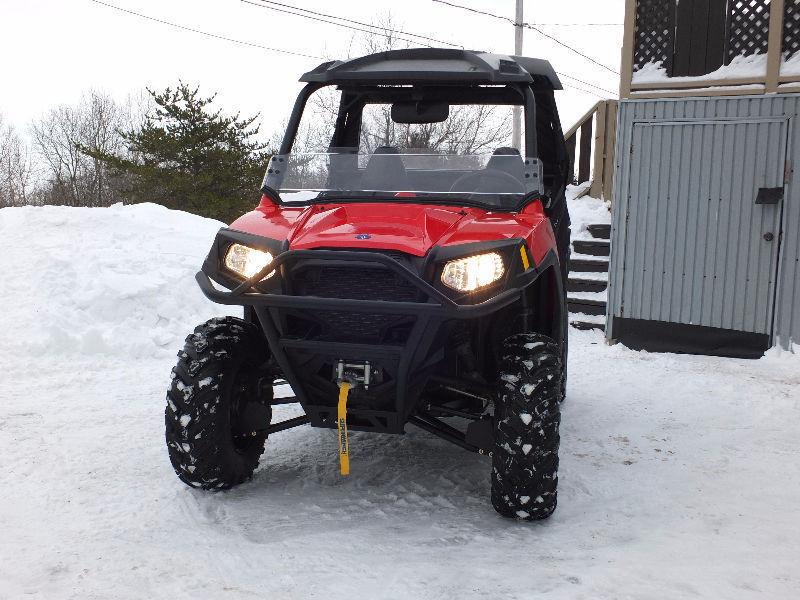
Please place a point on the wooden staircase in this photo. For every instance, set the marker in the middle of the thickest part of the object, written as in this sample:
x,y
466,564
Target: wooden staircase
x,y
587,284
590,146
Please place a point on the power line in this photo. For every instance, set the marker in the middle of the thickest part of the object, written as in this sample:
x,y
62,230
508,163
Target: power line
x,y
510,20
313,18
478,12
580,24
290,52
380,29
568,47
326,18
206,33
529,26
376,29
597,87
580,89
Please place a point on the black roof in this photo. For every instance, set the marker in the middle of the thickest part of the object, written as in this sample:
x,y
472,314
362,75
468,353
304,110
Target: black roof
x,y
440,65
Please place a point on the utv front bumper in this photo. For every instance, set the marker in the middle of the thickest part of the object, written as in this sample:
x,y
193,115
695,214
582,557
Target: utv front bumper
x,y
325,306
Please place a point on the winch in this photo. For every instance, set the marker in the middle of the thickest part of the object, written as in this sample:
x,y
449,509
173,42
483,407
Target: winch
x,y
355,373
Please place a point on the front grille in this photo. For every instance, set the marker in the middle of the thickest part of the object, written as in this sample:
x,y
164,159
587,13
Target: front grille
x,y
356,283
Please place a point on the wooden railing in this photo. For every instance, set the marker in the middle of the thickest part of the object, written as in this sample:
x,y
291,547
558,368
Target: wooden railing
x,y
594,155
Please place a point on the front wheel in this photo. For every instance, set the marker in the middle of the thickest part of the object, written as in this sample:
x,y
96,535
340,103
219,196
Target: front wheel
x,y
527,416
217,402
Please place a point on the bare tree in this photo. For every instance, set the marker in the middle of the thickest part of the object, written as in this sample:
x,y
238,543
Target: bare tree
x,y
471,129
16,168
61,138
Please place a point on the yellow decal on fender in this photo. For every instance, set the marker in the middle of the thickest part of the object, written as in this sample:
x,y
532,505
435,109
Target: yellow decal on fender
x,y
525,262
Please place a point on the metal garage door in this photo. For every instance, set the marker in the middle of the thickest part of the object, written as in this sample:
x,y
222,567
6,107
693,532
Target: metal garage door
x,y
698,248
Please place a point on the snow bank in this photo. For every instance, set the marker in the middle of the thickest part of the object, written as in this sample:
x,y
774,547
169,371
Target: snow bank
x,y
116,280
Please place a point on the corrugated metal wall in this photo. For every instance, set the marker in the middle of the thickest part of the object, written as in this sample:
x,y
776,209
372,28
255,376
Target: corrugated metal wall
x,y
687,239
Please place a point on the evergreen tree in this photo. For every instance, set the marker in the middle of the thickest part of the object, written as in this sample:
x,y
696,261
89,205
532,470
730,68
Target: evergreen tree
x,y
187,156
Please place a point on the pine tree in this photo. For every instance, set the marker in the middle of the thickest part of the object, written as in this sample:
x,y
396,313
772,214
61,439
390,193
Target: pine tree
x,y
188,156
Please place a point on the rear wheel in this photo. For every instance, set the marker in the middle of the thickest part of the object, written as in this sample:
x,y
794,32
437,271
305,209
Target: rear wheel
x,y
220,394
527,416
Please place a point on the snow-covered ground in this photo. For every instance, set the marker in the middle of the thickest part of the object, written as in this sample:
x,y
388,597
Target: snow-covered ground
x,y
585,211
679,475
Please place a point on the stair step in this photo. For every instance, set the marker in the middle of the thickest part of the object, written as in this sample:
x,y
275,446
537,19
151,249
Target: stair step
x,y
593,247
588,265
600,232
587,325
586,306
575,284
596,276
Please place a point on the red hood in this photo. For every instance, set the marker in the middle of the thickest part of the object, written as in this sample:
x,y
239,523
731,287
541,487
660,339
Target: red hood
x,y
410,228
404,227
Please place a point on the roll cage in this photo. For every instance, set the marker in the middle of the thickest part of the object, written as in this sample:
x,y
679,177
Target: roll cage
x,y
457,77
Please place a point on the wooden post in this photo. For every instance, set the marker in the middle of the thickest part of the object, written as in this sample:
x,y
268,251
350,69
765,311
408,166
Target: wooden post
x,y
776,10
585,155
570,143
626,66
611,140
599,151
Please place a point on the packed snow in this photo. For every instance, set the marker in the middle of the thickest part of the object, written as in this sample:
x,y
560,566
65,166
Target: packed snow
x,y
585,210
791,66
679,475
740,67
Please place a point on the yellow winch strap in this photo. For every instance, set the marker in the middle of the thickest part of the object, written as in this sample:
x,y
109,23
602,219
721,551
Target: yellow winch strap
x,y
344,448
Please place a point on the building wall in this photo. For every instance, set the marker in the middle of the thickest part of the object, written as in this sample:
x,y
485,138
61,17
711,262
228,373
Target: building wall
x,y
687,242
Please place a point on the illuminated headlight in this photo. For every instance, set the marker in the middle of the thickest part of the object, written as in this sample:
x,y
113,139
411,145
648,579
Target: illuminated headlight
x,y
474,272
246,261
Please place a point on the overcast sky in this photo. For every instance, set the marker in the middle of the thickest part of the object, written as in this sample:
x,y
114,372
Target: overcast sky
x,y
52,50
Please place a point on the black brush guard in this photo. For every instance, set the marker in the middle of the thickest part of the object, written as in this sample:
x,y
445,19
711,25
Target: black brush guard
x,y
387,405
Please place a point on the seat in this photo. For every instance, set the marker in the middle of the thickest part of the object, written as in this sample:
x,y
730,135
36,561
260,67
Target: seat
x,y
509,161
385,171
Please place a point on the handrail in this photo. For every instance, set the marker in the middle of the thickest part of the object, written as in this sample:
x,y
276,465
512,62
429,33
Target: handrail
x,y
589,114
597,132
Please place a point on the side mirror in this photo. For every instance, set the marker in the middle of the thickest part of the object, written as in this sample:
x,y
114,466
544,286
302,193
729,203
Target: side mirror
x,y
420,112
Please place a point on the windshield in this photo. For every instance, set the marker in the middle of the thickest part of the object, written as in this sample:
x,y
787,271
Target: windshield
x,y
500,179
388,142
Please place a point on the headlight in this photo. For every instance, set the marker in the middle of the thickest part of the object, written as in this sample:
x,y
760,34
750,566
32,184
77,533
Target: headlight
x,y
246,261
474,272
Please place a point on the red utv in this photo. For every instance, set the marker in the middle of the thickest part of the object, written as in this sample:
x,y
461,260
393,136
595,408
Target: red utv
x,y
405,272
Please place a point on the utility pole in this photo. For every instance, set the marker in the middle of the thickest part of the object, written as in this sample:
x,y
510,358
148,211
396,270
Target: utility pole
x,y
516,135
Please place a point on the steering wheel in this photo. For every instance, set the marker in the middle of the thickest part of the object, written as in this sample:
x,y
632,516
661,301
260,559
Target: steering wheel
x,y
501,179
